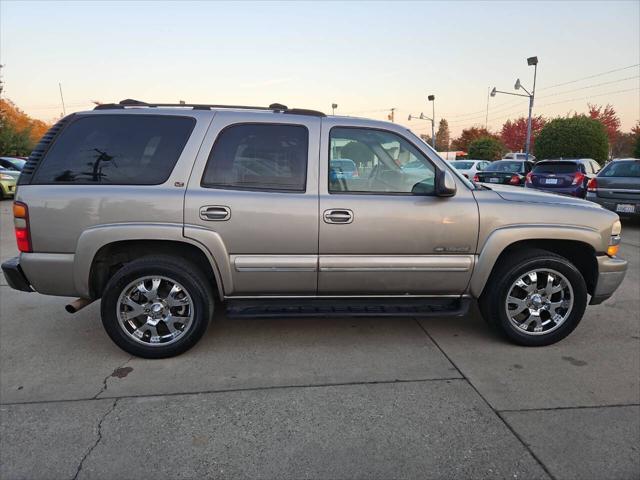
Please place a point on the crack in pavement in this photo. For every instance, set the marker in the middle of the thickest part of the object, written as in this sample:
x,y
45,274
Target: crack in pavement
x,y
112,374
92,447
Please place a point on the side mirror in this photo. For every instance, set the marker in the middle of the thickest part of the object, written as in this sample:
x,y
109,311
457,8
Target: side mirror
x,y
445,184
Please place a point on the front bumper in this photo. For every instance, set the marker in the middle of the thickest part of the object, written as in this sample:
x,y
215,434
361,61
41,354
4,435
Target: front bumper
x,y
15,276
611,272
8,187
572,191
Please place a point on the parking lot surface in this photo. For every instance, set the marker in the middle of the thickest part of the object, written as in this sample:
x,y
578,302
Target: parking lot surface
x,y
319,398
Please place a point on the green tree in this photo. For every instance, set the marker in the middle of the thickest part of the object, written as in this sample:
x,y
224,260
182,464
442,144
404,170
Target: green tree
x,y
573,137
486,148
443,136
14,142
636,150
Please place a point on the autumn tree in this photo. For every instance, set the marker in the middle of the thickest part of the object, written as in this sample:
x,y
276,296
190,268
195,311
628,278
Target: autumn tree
x,y
514,133
608,117
468,135
18,132
442,136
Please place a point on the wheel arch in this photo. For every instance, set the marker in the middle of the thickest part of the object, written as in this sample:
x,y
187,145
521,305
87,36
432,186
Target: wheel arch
x,y
579,246
101,250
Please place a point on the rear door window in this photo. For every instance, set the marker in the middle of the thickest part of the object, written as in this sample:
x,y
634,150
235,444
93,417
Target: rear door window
x,y
116,150
259,157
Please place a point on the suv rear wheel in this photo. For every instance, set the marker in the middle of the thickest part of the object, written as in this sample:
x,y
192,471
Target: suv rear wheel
x,y
535,297
157,307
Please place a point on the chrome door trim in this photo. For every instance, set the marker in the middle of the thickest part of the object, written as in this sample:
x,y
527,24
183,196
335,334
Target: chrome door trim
x,y
395,263
275,263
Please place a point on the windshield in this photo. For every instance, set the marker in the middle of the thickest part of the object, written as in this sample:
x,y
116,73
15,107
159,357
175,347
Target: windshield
x,y
629,168
556,167
504,166
462,165
345,165
13,163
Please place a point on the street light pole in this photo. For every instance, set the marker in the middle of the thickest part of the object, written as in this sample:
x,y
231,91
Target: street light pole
x,y
432,98
530,61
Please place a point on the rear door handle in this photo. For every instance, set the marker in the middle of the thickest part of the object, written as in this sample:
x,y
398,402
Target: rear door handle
x,y
338,215
215,213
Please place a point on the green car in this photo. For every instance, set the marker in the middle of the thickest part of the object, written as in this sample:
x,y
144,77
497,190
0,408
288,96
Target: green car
x,y
8,180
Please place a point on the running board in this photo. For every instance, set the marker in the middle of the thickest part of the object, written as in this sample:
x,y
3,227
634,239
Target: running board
x,y
352,307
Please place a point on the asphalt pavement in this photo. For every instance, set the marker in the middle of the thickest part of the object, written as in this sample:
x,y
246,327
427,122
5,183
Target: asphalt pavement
x,y
319,398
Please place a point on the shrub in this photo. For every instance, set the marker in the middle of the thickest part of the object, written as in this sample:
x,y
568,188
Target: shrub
x,y
573,137
486,148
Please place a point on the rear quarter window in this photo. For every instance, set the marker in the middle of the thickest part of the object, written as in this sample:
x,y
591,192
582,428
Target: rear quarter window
x,y
116,150
556,167
622,169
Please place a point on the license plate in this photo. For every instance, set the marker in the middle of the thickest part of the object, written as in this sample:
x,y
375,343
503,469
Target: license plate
x,y
494,180
625,208
551,181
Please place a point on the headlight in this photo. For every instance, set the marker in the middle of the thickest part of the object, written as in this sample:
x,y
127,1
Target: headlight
x,y
614,241
5,177
617,228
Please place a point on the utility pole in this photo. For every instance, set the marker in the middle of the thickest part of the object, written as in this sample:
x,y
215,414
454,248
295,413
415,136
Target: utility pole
x,y
486,118
391,116
64,110
432,99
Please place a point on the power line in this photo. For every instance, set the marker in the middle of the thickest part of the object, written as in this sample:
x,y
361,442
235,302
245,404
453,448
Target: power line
x,y
590,76
591,86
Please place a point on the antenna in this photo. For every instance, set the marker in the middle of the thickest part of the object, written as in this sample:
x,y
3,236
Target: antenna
x,y
64,110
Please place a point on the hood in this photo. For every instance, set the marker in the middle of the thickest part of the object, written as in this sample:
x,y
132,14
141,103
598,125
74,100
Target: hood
x,y
531,195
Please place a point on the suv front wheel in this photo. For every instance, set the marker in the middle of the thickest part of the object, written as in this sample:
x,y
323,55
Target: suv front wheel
x,y
534,297
157,307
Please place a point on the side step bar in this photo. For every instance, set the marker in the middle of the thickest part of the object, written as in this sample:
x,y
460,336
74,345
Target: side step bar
x,y
339,307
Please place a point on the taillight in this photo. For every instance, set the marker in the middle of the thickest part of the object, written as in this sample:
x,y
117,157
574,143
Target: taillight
x,y
592,186
21,224
476,178
355,173
528,178
514,180
578,178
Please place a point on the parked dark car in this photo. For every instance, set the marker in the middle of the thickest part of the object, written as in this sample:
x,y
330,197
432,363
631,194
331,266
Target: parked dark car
x,y
617,187
509,172
343,168
567,177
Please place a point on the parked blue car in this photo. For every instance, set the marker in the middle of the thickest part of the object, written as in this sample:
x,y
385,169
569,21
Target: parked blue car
x,y
566,177
343,168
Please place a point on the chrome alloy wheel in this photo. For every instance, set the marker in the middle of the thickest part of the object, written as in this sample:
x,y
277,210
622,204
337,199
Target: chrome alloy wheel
x,y
155,310
539,301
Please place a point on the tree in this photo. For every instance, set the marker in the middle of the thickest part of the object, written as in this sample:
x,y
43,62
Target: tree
x,y
486,148
18,132
442,136
468,135
573,137
608,117
623,145
514,133
636,151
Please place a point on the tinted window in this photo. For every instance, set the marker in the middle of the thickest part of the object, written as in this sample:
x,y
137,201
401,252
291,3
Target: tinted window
x,y
505,166
12,163
116,149
259,157
622,169
556,167
385,162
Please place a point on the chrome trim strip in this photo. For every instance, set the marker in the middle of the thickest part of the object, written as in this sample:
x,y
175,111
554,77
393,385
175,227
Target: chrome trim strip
x,y
275,263
399,263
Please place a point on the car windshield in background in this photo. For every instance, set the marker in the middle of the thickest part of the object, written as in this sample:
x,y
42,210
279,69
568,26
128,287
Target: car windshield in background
x,y
504,166
462,165
12,163
629,168
556,167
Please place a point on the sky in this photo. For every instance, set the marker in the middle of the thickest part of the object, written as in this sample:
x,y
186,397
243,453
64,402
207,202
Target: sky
x,y
365,56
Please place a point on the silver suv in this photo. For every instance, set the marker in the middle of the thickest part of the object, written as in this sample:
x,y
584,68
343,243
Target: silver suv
x,y
160,209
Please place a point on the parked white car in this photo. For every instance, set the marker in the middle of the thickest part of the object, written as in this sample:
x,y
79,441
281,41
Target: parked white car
x,y
470,167
519,156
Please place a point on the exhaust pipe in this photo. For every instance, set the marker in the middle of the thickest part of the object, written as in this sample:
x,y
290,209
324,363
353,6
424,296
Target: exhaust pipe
x,y
78,304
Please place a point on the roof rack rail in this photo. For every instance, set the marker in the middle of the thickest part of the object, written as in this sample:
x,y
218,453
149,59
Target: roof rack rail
x,y
274,107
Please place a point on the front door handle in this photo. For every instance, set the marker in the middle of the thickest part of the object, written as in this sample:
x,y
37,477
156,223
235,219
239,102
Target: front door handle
x,y
338,215
215,213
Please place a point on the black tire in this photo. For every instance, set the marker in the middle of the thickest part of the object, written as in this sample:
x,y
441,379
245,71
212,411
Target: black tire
x,y
177,269
512,267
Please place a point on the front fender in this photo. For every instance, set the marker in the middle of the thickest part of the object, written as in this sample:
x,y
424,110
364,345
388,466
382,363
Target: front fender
x,y
503,237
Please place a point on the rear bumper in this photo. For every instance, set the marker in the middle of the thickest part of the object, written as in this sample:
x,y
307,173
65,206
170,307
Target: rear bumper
x,y
611,272
573,191
15,276
612,203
